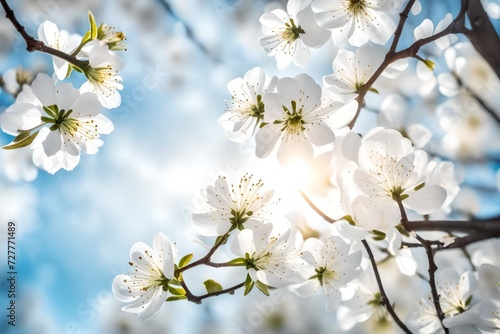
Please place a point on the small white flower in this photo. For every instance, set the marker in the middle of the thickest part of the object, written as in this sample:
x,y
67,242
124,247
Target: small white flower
x,y
70,122
389,167
113,39
271,253
333,267
61,40
296,118
234,206
146,288
351,70
357,21
102,75
245,111
289,34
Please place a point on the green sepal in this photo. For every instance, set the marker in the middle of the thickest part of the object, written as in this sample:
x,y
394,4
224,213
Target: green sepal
x,y
93,26
248,285
373,90
429,64
21,142
262,287
212,286
176,291
238,262
402,230
174,298
349,219
403,197
378,235
263,124
174,281
185,260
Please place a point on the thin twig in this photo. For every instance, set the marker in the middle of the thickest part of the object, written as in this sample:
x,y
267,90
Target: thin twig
x,y
198,299
33,44
316,209
383,295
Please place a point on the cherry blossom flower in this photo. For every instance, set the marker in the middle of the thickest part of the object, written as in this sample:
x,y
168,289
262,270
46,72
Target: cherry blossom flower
x,y
102,75
234,206
333,267
455,294
245,111
271,254
351,70
357,21
61,40
69,122
146,288
296,118
389,167
113,39
289,34
426,29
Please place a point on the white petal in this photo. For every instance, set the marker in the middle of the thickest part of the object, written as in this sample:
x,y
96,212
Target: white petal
x,y
426,200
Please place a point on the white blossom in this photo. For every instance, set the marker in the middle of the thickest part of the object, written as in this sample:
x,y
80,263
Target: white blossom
x,y
146,287
69,122
333,267
289,34
357,21
389,167
271,253
296,119
230,206
60,40
245,111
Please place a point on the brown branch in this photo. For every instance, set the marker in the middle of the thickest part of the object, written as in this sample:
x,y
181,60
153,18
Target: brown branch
x,y
33,44
483,35
432,281
383,296
489,226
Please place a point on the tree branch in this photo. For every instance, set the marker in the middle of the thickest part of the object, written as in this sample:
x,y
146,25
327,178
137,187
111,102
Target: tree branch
x,y
316,209
383,295
33,44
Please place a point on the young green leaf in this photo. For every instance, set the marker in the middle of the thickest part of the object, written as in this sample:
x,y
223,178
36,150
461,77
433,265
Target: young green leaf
x,y
212,286
93,26
174,298
185,260
262,287
18,143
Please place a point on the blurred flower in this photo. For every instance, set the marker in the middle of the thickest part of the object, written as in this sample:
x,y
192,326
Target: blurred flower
x,y
69,122
295,118
426,29
357,21
146,288
234,206
288,35
394,115
14,79
103,78
271,254
61,40
245,111
333,267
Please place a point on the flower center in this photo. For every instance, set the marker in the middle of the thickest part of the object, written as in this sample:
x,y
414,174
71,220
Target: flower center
x,y
323,274
257,110
355,6
292,32
294,123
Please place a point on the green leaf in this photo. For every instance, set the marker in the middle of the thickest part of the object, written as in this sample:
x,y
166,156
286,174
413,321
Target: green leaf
x,y
176,291
212,286
21,142
21,136
262,287
185,260
174,298
93,26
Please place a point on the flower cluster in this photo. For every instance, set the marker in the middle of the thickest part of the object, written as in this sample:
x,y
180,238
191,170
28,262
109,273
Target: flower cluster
x,y
56,120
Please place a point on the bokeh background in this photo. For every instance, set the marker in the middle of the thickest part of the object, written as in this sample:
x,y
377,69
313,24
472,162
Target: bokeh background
x,y
75,229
